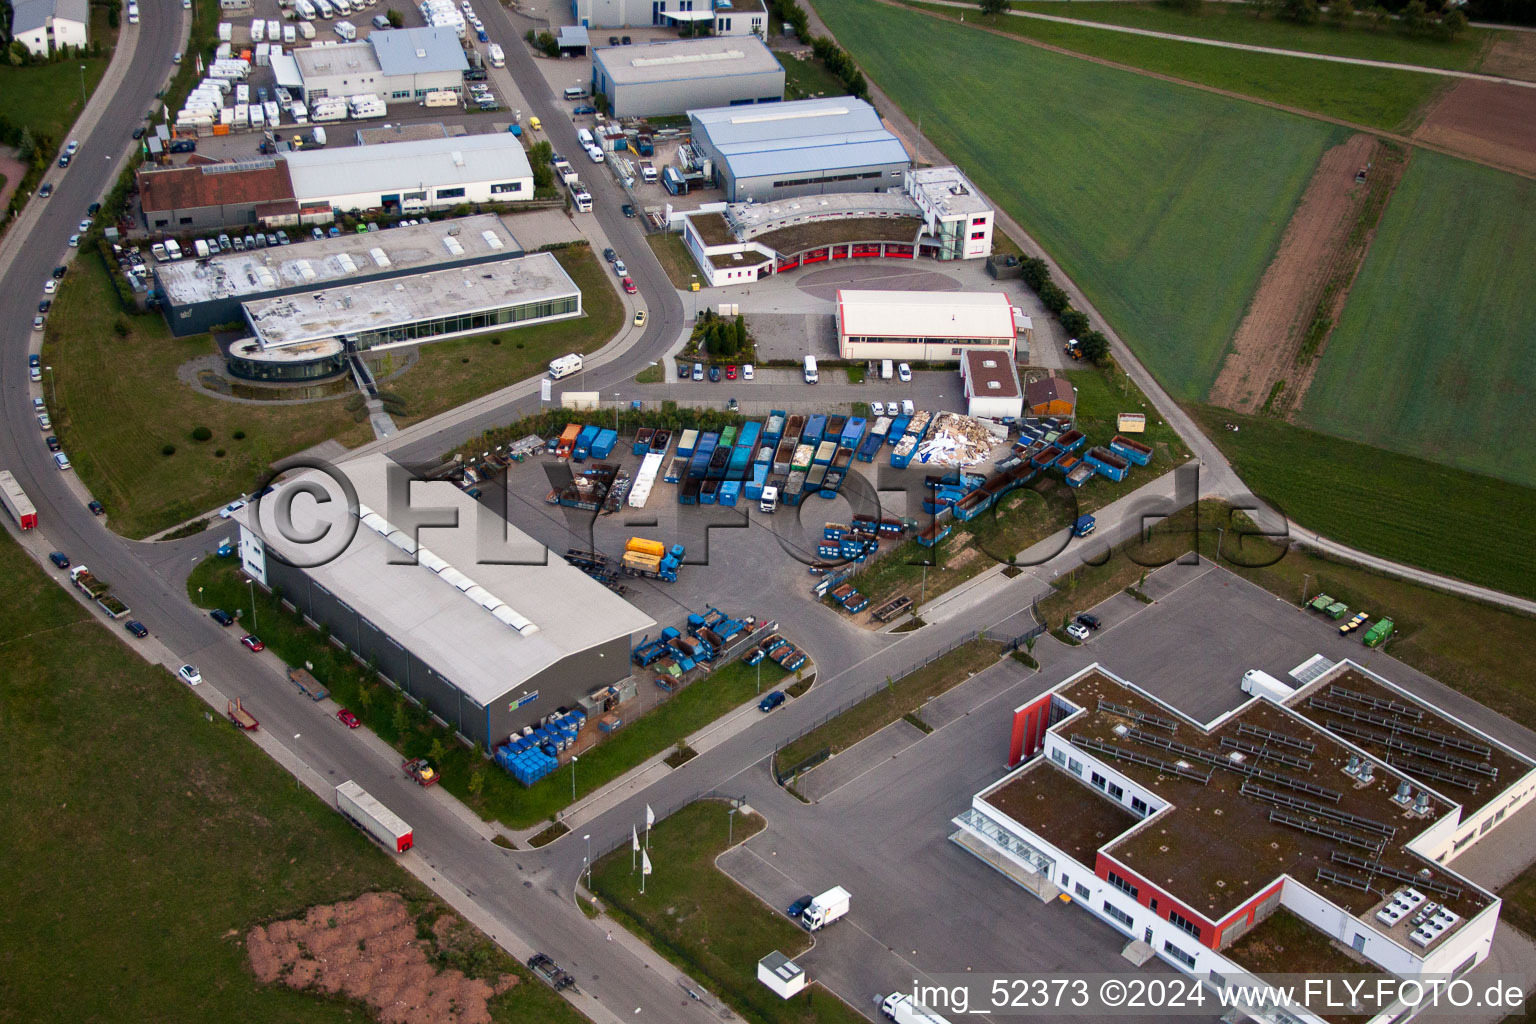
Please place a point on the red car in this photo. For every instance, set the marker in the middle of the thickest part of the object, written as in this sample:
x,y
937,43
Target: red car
x,y
348,719
730,373
629,285
253,642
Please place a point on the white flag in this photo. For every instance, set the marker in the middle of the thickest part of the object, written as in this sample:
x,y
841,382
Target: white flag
x,y
650,816
645,863
634,839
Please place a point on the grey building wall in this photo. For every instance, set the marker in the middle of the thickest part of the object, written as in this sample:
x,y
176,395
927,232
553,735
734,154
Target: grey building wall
x,y
201,218
201,317
770,187
559,685
647,99
413,86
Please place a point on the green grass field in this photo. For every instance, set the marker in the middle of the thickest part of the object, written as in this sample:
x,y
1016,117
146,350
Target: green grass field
x,y
701,920
1236,23
143,837
46,97
1377,97
807,78
1433,355
1164,203
1449,521
116,400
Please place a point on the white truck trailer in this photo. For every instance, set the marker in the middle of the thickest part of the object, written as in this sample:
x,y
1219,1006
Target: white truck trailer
x,y
899,1007
825,909
372,817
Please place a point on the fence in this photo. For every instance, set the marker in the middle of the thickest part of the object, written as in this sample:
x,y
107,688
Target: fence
x,y
782,775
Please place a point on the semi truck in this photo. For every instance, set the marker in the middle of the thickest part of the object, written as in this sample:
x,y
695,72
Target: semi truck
x,y
825,909
16,501
384,825
899,1007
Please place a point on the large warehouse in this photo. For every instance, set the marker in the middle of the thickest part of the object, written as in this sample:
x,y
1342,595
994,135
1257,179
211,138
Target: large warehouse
x,y
401,65
206,197
923,326
802,148
728,18
197,295
412,177
487,647
669,77
1341,798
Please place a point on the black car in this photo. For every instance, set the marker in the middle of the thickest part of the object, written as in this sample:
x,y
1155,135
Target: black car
x,y
138,133
714,375
626,40
64,160
59,271
610,255
52,443
222,617
629,210
45,305
798,907
137,628
96,507
1091,621
613,40
93,209
59,559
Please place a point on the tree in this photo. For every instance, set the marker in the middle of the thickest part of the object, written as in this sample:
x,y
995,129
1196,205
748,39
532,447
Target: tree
x,y
1187,6
1053,297
741,333
995,6
1302,12
1341,13
1414,17
1095,346
476,781
1035,272
1377,17
438,752
26,149
396,19
1454,23
1074,322
401,719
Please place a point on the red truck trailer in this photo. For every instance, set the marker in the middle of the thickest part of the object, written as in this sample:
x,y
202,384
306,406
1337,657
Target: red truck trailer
x,y
241,717
16,501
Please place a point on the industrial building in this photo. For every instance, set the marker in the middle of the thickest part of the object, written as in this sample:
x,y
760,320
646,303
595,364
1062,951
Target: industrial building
x,y
923,326
488,642
669,77
198,294
43,26
401,65
719,17
207,197
1341,798
953,212
1050,396
991,383
801,148
413,177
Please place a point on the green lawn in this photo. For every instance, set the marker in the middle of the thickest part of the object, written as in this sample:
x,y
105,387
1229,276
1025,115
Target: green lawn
x,y
1433,354
900,697
1237,23
217,583
674,257
116,400
706,924
143,837
1378,97
807,78
1163,202
46,97
1449,521
449,373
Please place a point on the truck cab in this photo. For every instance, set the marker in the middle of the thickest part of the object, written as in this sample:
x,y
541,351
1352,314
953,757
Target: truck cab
x,y
769,500
1083,526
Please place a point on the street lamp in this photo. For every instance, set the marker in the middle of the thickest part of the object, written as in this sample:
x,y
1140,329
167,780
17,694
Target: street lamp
x,y
588,838
252,583
574,759
615,412
730,827
1306,578
82,87
52,394
1221,535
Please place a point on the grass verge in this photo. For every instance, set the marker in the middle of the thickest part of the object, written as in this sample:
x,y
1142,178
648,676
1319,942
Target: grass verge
x,y
47,97
674,258
140,808
479,784
899,698
449,373
807,78
706,924
117,403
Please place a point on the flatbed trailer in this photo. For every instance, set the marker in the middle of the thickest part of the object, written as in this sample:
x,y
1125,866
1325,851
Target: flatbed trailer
x,y
241,717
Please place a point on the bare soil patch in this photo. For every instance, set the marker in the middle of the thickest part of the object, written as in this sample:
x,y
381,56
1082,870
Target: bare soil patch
x,y
1513,56
1487,122
367,949
1277,343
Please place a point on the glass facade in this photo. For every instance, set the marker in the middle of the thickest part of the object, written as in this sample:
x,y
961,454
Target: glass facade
x,y
435,327
287,369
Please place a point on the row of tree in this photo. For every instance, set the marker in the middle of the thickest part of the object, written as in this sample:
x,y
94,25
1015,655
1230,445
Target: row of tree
x,y
1092,342
721,338
1414,18
840,64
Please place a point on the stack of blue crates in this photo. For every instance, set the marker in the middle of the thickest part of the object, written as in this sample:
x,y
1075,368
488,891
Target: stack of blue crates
x,y
532,757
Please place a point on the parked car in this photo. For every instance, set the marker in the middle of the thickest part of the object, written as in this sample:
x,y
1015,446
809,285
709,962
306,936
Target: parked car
x,y
347,718
60,270
771,701
252,642
137,628
61,460
222,617
37,323
629,285
74,241
59,559
877,408
1091,621
746,371
52,443
610,255
639,318
190,675
45,191
64,160
698,371
85,225
583,109
1077,632
730,372
50,286
714,375
798,907
619,268
629,210
43,307
139,132
97,508
904,372
231,509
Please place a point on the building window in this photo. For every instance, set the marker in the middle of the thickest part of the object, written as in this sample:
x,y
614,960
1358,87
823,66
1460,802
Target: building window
x,y
977,222
1139,806
186,220
1075,766
400,94
1082,891
1058,755
1152,903
977,236
1500,815
161,223
450,193
1486,826
1116,792
1179,921
1098,780
1124,886
505,187
1179,955
1118,914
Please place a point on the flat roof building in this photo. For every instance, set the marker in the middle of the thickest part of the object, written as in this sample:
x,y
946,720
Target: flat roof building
x,y
205,197
411,177
1342,802
401,65
198,294
486,644
801,148
991,382
953,211
923,326
731,18
672,76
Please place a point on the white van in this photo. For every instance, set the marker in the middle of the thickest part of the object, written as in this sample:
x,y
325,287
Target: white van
x,y
887,369
811,375
564,366
595,154
497,56
770,500
584,137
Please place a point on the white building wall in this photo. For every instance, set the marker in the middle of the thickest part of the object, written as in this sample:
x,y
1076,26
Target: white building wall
x,y
68,33
432,198
253,555
36,41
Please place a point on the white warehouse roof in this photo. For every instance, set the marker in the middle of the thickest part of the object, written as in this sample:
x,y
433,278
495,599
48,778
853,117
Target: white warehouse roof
x,y
686,59
801,135
487,628
889,314
319,174
415,51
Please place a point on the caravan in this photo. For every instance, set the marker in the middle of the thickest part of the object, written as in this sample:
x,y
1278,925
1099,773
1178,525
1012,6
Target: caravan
x,y
565,366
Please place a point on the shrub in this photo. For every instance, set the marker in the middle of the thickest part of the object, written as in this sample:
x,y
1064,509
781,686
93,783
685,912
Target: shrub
x,y
201,434
1074,322
1054,298
238,435
218,453
167,450
120,327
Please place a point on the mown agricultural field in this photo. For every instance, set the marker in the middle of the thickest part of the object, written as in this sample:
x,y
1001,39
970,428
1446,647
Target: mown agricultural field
x,y
1163,203
1377,97
1434,353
